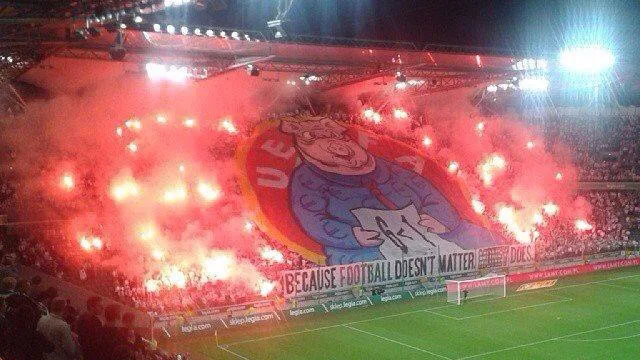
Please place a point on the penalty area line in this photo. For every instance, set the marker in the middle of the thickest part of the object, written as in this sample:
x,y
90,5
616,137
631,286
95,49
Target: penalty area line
x,y
397,342
443,315
513,309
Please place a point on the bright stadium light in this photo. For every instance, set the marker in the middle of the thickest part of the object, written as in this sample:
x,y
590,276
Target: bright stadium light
x,y
542,64
171,29
156,28
534,84
530,64
587,59
162,72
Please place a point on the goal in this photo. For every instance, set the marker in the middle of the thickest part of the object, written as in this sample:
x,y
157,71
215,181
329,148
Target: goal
x,y
459,290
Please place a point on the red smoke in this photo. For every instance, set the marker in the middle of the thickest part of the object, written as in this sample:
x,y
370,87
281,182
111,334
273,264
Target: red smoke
x,y
147,168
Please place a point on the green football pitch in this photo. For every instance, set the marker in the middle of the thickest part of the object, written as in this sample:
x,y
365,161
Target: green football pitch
x,y
593,316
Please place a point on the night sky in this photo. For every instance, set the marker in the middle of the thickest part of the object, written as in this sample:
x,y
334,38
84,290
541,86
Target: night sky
x,y
536,27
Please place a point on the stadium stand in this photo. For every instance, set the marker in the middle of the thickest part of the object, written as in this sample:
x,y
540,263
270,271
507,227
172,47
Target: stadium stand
x,y
606,152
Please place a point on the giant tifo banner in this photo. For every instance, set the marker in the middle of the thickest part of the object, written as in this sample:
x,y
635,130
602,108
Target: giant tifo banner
x,y
339,194
297,283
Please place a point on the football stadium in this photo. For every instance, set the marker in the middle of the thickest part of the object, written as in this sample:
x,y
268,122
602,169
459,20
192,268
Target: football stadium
x,y
321,179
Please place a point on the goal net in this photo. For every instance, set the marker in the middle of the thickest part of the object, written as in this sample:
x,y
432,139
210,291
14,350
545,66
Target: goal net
x,y
460,290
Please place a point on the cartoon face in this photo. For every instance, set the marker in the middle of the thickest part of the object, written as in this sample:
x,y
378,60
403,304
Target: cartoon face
x,y
323,143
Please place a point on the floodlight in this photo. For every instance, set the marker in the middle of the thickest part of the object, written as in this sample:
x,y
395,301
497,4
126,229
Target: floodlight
x,y
586,59
533,84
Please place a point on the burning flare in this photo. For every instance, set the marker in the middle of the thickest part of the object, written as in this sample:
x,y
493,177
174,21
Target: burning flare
x,y
124,189
453,167
272,255
477,205
583,225
208,192
513,222
372,115
218,267
400,114
67,182
178,193
492,166
266,287
550,208
133,124
228,126
189,122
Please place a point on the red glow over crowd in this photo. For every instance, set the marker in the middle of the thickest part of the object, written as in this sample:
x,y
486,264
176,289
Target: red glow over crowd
x,y
166,230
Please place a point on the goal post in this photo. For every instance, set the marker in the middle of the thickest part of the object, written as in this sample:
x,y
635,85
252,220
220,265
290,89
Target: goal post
x,y
459,290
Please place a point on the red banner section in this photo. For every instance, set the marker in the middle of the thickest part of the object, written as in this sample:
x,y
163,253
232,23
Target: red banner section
x,y
478,283
571,270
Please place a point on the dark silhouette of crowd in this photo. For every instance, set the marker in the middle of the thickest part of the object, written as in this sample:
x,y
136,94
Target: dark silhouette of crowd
x,y
36,324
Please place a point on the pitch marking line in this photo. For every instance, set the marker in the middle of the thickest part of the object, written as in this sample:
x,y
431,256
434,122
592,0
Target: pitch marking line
x,y
223,347
620,287
443,315
514,309
605,339
331,326
398,342
589,283
500,311
560,297
416,311
548,340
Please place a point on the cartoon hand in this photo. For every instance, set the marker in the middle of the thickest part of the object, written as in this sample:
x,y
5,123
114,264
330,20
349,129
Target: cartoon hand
x,y
432,225
367,238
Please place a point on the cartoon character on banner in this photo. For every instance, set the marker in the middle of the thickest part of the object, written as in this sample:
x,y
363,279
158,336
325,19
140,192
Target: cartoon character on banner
x,y
362,207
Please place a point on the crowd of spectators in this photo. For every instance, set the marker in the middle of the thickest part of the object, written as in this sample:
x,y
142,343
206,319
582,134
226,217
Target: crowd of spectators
x,y
616,218
198,294
62,258
37,324
605,149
